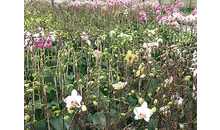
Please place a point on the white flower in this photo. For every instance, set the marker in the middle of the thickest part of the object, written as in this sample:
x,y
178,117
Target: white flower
x,y
159,40
142,112
145,45
89,43
84,36
151,32
169,80
126,12
73,100
165,110
53,35
119,85
177,99
112,32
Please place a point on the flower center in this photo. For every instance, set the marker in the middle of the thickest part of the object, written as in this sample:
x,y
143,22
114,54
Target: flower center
x,y
73,103
142,115
130,58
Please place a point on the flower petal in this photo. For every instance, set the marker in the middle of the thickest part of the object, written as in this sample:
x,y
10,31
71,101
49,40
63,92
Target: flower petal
x,y
74,93
144,105
78,100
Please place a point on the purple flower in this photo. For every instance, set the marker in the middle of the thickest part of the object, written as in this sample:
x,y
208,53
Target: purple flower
x,y
159,8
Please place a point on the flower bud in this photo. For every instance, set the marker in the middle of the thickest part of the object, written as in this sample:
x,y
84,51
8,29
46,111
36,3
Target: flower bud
x,y
140,101
102,77
143,76
149,95
170,103
27,117
123,114
34,121
187,78
105,89
164,96
71,111
154,109
95,103
151,75
93,97
26,107
84,108
54,107
132,91
46,87
30,90
155,101
26,85
181,126
66,118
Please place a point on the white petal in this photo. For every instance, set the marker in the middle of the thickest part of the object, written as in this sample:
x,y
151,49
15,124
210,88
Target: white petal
x,y
67,99
136,117
74,93
115,86
144,105
78,100
147,119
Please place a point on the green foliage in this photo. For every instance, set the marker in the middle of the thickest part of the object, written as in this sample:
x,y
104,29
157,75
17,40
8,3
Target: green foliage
x,y
161,73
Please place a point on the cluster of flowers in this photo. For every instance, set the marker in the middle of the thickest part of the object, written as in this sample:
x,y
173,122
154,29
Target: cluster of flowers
x,y
111,3
39,39
143,16
176,17
142,112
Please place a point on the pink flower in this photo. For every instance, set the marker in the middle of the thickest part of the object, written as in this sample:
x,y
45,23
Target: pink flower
x,y
143,18
175,24
159,8
47,44
39,42
142,13
158,11
194,12
181,3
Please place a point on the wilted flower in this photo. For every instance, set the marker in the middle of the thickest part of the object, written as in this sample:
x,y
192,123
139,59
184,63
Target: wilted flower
x,y
73,100
142,112
119,85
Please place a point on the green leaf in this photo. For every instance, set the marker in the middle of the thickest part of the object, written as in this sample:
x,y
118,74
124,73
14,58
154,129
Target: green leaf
x,y
70,77
99,117
132,101
90,118
58,122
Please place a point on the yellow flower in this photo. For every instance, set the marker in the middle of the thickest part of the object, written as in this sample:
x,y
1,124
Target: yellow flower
x,y
129,57
38,20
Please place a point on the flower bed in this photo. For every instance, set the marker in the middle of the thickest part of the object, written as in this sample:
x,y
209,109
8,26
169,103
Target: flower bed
x,y
109,65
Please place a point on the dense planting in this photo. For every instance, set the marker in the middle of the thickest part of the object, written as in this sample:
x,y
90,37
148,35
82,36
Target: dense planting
x,y
109,65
